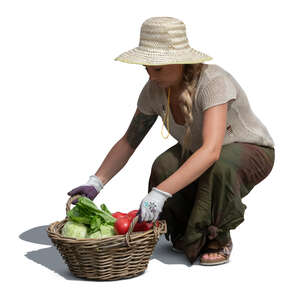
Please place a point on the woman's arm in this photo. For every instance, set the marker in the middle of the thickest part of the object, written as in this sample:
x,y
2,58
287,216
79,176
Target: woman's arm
x,y
120,153
213,132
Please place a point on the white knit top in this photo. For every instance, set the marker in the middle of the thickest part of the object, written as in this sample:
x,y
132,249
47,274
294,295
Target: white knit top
x,y
215,86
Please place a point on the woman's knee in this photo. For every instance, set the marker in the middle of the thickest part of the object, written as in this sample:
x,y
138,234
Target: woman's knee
x,y
221,168
158,172
164,165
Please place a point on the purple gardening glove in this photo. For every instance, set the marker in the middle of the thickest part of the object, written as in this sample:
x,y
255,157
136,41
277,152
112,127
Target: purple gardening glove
x,y
90,190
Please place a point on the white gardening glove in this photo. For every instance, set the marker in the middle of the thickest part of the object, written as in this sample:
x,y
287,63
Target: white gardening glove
x,y
152,205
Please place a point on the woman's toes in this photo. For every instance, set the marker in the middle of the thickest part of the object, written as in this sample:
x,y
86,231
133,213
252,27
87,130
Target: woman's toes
x,y
205,256
208,256
213,256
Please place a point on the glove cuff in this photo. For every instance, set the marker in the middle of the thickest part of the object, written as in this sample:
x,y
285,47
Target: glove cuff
x,y
95,182
166,194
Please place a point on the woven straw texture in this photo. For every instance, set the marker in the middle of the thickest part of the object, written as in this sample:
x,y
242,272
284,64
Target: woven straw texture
x,y
111,258
163,40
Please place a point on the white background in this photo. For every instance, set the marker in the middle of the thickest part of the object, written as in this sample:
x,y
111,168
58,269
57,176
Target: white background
x,y
65,102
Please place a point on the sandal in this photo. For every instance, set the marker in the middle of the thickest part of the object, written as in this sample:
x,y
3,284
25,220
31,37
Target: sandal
x,y
224,252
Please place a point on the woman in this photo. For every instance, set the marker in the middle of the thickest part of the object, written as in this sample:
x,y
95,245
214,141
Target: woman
x,y
223,149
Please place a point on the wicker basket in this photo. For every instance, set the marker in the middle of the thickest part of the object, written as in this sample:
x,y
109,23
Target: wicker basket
x,y
111,258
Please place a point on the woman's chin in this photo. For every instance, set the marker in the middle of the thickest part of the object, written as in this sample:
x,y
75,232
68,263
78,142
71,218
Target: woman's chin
x,y
162,84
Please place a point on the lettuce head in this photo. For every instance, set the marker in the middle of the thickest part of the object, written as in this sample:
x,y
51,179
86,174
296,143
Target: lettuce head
x,y
95,235
74,230
107,230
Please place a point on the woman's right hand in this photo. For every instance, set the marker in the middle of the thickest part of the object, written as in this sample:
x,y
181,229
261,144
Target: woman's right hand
x,y
90,190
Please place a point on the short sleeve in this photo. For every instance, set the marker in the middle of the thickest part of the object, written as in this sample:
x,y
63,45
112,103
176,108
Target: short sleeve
x,y
145,100
218,91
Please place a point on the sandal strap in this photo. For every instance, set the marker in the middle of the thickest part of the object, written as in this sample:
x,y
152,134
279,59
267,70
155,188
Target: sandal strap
x,y
225,251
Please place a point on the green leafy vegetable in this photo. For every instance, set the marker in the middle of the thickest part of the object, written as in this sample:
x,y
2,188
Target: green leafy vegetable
x,y
105,209
95,224
78,215
86,212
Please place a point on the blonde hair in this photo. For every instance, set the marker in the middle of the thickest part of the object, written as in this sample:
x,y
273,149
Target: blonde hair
x,y
191,74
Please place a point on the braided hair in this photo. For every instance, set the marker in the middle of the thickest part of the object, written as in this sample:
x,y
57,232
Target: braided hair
x,y
191,74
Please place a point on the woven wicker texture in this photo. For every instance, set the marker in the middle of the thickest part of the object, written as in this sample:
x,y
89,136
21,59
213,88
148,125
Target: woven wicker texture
x,y
111,258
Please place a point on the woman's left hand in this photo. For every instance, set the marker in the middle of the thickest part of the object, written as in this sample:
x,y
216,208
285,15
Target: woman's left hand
x,y
152,205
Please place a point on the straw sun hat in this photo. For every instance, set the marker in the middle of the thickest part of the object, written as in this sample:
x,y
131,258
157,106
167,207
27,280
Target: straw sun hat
x,y
163,41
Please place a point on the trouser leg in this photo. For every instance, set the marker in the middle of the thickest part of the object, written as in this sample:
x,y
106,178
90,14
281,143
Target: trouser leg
x,y
218,206
176,209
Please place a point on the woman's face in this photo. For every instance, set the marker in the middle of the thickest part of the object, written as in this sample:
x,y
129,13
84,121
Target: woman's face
x,y
166,75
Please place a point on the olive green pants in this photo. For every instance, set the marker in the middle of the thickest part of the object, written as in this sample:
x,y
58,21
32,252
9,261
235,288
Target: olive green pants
x,y
209,207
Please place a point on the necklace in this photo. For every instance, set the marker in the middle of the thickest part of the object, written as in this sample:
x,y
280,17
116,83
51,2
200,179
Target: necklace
x,y
165,116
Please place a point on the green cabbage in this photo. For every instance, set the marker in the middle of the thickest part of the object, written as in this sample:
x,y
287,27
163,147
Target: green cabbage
x,y
74,230
95,235
107,230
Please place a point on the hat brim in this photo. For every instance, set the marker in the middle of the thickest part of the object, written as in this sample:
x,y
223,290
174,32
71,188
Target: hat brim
x,y
141,56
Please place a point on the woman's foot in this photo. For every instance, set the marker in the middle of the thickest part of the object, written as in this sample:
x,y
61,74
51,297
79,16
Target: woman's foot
x,y
215,255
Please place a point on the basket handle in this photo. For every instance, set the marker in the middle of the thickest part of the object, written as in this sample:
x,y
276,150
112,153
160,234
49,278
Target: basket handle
x,y
69,202
129,232
131,227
